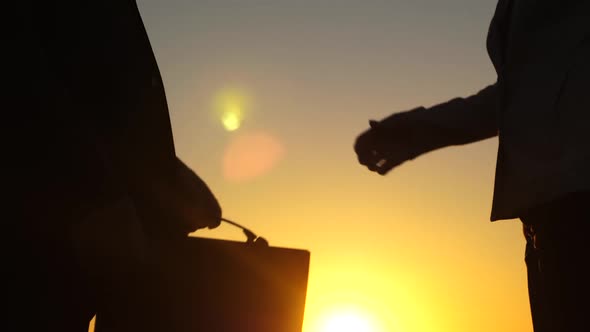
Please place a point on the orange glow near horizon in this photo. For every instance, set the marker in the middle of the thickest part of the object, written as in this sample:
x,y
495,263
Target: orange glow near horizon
x,y
347,320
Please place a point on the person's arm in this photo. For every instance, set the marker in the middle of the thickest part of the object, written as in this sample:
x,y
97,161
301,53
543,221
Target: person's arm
x,y
406,135
456,122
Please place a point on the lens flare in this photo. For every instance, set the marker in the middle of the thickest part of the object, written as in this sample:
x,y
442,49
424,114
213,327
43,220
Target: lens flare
x,y
231,121
250,155
231,105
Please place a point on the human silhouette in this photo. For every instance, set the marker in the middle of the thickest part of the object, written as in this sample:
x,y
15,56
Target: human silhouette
x,y
539,107
90,168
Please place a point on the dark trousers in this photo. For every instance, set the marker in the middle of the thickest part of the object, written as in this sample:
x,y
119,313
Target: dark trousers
x,y
557,256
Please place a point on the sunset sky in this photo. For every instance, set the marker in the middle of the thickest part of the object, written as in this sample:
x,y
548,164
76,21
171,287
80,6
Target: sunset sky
x,y
266,98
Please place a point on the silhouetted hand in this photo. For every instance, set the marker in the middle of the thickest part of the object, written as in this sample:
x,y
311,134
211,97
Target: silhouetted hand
x,y
200,207
178,204
387,144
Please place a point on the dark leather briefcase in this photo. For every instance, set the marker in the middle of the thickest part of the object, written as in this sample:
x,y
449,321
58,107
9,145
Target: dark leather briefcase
x,y
210,285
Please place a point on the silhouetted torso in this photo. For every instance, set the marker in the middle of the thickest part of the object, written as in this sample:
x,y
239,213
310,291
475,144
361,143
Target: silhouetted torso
x,y
92,111
88,118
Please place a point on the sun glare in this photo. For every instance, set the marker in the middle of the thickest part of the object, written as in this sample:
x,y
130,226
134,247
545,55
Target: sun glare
x,y
230,105
347,321
231,121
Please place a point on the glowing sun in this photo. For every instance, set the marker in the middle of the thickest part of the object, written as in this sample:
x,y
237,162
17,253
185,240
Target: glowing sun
x,y
348,321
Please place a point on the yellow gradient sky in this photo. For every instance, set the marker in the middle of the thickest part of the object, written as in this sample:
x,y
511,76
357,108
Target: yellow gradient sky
x,y
411,252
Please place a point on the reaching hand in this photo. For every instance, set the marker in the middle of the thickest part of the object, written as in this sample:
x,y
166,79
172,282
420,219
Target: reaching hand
x,y
385,145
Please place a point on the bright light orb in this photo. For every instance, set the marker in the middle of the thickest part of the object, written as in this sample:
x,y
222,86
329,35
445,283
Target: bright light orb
x,y
230,105
347,322
231,121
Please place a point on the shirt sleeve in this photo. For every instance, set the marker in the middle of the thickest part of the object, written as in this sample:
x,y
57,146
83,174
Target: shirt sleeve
x,y
455,122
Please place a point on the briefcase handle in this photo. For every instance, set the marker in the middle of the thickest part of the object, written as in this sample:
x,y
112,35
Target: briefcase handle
x,y
251,237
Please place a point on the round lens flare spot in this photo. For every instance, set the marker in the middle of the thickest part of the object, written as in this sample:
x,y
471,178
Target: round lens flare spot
x,y
231,121
230,106
250,155
347,321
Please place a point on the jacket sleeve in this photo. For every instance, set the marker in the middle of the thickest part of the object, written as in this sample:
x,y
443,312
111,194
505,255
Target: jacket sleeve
x,y
456,122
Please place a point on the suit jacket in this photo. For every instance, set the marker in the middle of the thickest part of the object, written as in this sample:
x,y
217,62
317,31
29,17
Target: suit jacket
x,y
539,106
89,107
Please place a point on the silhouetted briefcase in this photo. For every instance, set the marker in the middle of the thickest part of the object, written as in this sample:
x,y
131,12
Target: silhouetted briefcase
x,y
216,285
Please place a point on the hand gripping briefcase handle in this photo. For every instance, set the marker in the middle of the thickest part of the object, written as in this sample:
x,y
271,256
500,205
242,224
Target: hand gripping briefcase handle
x,y
204,284
251,237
